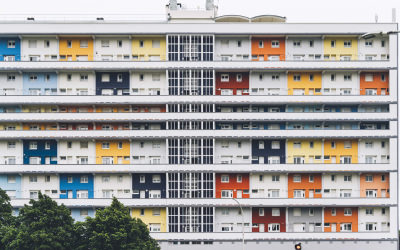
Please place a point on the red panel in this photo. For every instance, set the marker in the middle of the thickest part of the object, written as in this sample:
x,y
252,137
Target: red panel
x,y
268,218
232,83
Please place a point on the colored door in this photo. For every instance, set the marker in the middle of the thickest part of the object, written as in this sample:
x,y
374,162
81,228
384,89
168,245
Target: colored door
x,y
142,194
311,193
69,194
333,227
239,194
261,228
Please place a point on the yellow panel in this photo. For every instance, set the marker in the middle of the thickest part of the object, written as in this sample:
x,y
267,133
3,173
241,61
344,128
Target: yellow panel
x,y
305,83
148,217
339,50
144,53
4,125
305,151
75,50
113,151
339,150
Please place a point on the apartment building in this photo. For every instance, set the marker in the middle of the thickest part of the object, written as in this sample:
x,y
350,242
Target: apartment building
x,y
209,128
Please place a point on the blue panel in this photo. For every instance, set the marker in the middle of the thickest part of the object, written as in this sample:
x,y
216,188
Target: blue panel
x,y
40,151
75,185
45,81
5,51
268,151
148,185
113,83
5,185
76,214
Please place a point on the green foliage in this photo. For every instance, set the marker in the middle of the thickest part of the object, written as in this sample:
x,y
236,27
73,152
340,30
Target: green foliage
x,y
113,228
7,221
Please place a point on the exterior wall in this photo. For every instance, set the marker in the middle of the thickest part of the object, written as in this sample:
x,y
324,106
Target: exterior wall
x,y
233,185
382,219
380,150
148,185
340,218
77,213
305,184
149,83
78,85
339,50
117,87
229,152
310,220
261,187
39,109
112,52
237,87
339,151
267,151
120,185
334,186
147,152
148,51
5,51
119,155
339,84
46,83
380,182
376,83
268,218
9,186
377,51
308,85
6,152
75,186
267,50
41,52
76,109
266,83
14,126
227,48
41,152
50,188
232,218
10,87
305,51
71,54
309,154
40,126
76,152
149,218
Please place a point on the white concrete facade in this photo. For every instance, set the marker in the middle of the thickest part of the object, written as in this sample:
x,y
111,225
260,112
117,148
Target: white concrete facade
x,y
76,152
304,48
76,83
231,220
268,83
148,83
48,184
109,185
11,152
373,49
149,152
375,219
340,185
39,49
269,185
340,83
232,48
112,48
232,151
10,83
373,151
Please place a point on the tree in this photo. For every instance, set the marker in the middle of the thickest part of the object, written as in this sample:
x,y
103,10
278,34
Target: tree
x,y
7,221
113,228
42,225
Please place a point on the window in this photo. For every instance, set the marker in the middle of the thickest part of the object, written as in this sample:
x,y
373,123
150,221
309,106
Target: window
x,y
69,44
333,211
296,78
84,43
383,144
383,178
105,179
347,212
275,77
47,145
69,77
369,144
226,194
311,43
156,178
296,43
296,144
261,212
275,145
368,43
11,144
82,194
69,179
276,212
84,78
47,178
32,43
33,145
347,144
347,178
347,77
141,77
141,43
311,212
105,77
333,77
297,212
84,144
345,227
275,44
311,77
369,211
84,179
225,178
261,44
105,145
275,178
32,178
224,78
260,145
261,178
10,78
297,178
120,144
311,178
239,43
11,44
11,179
119,43
239,77
347,44
119,78
84,212
311,144
142,179
333,144
333,43
239,178
105,43
33,78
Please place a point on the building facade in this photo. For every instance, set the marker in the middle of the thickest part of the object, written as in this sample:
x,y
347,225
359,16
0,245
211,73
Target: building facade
x,y
284,131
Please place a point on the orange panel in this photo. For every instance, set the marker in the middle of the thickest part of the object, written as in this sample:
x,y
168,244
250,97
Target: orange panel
x,y
305,185
340,218
267,49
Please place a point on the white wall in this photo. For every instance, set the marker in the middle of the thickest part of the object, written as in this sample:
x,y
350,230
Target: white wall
x,y
45,54
232,154
267,184
76,83
120,189
14,87
339,183
148,152
377,50
231,49
233,218
377,218
41,185
304,49
266,85
76,151
336,86
5,152
113,52
149,82
376,150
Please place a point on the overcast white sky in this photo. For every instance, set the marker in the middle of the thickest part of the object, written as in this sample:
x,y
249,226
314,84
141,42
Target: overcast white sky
x,y
294,10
